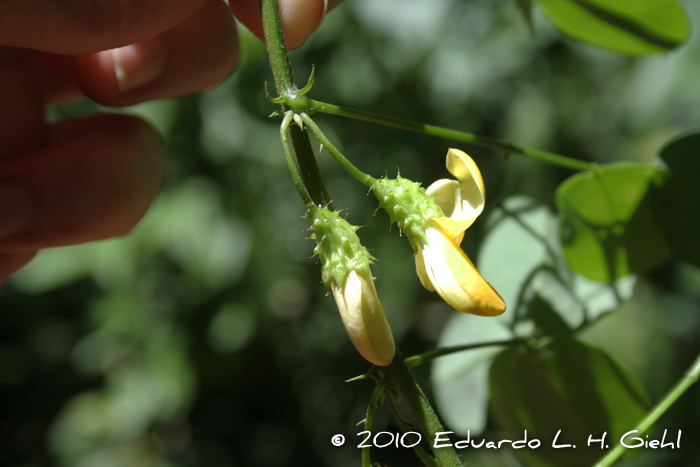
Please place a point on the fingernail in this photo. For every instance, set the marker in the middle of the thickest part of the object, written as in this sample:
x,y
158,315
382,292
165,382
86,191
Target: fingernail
x,y
323,13
300,18
138,64
16,209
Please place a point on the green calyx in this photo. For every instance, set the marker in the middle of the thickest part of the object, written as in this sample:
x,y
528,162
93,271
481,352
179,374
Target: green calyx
x,y
295,100
407,204
338,246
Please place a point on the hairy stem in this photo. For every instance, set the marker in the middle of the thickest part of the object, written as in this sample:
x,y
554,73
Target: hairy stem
x,y
354,171
427,460
420,408
291,162
369,419
284,83
439,352
276,48
544,156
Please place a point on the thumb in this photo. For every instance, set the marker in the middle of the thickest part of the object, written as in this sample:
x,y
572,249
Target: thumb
x,y
300,18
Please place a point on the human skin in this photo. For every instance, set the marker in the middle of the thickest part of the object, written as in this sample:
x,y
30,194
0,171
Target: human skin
x,y
95,177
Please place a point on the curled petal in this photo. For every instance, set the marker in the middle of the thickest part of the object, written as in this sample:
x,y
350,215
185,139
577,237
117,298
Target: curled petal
x,y
364,318
472,184
462,201
455,277
448,195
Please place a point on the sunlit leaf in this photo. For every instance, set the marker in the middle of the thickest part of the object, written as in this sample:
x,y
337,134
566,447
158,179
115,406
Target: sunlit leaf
x,y
460,380
608,230
636,27
521,234
567,386
676,204
521,256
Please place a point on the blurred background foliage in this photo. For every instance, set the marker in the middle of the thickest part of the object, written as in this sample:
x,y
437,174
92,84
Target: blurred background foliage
x,y
206,337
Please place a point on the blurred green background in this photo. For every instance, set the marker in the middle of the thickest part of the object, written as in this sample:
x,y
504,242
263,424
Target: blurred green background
x,y
205,338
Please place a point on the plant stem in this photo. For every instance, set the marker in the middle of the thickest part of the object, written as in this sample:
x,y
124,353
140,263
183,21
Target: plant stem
x,y
369,419
420,407
284,83
690,378
354,171
439,352
291,162
548,157
276,48
310,173
427,460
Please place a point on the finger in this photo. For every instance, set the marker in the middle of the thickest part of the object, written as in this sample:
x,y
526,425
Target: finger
x,y
11,263
58,83
194,55
88,26
299,18
95,179
22,125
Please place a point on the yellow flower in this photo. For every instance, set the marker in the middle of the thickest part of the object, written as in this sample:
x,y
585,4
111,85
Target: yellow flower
x,y
441,264
364,318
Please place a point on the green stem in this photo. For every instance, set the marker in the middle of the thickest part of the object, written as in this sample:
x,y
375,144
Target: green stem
x,y
369,419
310,173
291,163
276,48
690,378
548,157
427,460
433,354
420,407
284,83
354,171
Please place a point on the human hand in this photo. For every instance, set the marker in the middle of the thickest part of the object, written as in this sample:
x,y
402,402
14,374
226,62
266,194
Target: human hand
x,y
95,177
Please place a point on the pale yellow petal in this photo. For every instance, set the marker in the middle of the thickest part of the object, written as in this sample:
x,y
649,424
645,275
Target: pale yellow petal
x,y
364,319
422,273
447,195
456,279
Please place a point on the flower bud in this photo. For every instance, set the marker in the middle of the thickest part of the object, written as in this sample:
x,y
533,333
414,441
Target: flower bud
x,y
364,318
346,273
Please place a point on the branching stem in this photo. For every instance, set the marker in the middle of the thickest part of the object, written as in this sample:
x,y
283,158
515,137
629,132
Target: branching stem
x,y
544,156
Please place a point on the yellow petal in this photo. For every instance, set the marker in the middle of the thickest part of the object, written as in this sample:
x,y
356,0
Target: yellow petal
x,y
455,277
471,184
448,195
461,200
364,318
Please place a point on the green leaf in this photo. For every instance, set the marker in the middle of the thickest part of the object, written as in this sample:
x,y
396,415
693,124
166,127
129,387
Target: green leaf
x,y
676,204
608,230
521,256
521,239
633,27
460,380
545,318
568,386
